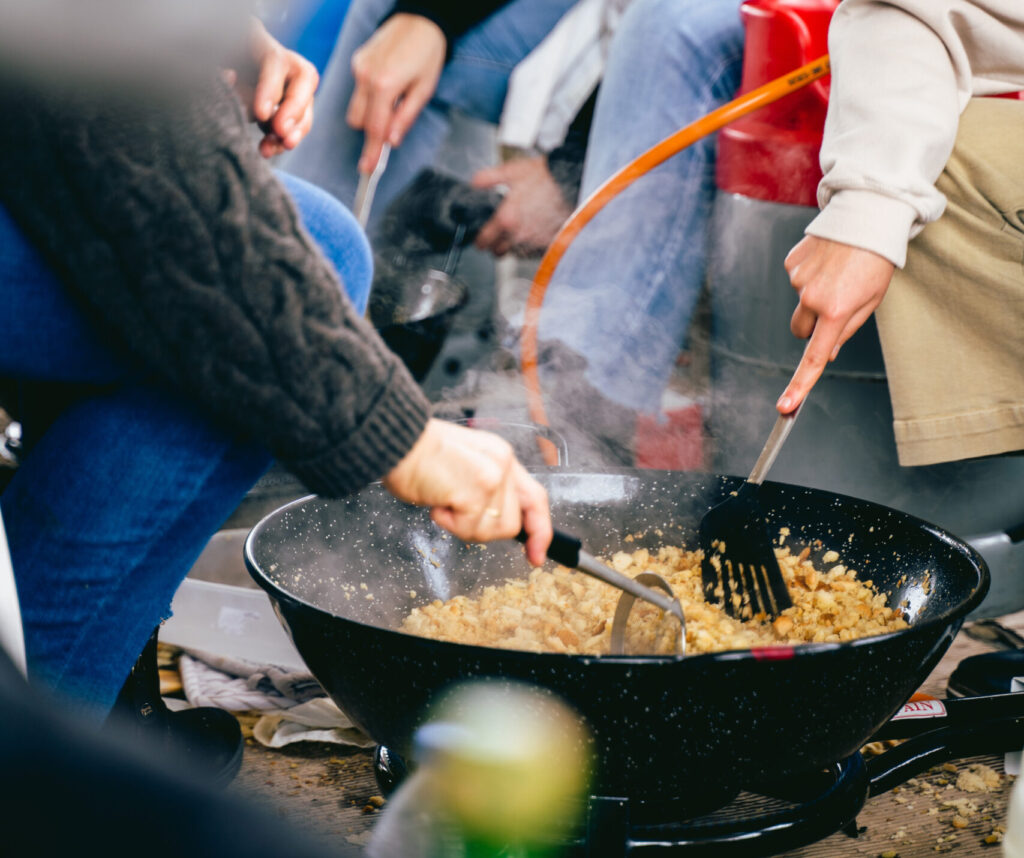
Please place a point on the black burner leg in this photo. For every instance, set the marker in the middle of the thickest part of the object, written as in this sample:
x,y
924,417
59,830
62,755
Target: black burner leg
x,y
389,770
853,830
607,827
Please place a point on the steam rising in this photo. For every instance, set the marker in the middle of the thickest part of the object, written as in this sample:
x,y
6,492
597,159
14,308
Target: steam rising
x,y
614,320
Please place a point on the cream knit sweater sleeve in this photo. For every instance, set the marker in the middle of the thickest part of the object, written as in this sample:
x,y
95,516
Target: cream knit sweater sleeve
x,y
903,71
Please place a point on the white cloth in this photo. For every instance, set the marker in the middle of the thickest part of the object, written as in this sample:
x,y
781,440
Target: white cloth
x,y
231,689
296,706
548,88
903,71
317,720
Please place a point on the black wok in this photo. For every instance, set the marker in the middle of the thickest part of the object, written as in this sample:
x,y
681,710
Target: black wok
x,y
343,573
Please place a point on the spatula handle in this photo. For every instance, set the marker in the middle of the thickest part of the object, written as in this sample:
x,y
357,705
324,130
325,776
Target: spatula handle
x,y
568,550
780,432
564,549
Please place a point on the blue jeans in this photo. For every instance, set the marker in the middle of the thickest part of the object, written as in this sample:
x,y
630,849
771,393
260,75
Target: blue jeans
x,y
113,504
473,82
624,293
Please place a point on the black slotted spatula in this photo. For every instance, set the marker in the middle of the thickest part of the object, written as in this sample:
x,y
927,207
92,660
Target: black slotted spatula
x,y
739,567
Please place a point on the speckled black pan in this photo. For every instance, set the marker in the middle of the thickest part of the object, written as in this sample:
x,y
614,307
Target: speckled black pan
x,y
343,573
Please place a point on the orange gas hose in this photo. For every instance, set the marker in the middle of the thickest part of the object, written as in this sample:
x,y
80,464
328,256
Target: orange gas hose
x,y
647,161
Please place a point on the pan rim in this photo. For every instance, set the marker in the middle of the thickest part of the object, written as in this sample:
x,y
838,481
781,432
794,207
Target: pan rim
x,y
792,652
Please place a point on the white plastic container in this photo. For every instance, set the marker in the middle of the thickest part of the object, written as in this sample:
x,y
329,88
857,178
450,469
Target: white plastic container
x,y
1013,841
219,609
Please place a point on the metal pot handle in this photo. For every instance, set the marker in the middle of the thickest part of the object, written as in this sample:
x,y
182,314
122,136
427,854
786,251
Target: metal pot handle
x,y
496,425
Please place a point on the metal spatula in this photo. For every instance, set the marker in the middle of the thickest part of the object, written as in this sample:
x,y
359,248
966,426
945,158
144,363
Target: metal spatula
x,y
739,566
568,550
367,187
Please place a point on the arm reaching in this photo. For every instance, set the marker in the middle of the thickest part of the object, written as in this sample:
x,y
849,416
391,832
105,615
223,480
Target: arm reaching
x,y
903,71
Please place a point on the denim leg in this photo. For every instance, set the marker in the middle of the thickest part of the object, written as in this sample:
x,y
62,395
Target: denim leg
x,y
115,501
474,82
43,335
624,292
338,236
105,516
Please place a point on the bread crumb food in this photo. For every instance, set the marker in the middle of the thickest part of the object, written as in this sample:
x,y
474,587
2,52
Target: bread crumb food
x,y
568,612
978,778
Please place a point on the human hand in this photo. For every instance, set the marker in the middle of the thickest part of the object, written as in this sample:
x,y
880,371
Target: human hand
x,y
396,73
839,286
281,99
531,213
474,487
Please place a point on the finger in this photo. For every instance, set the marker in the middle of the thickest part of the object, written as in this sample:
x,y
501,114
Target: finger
x,y
372,147
229,76
492,510
536,516
481,524
803,321
503,245
500,517
269,86
408,109
298,97
489,234
271,145
300,131
812,365
795,256
356,113
378,118
444,517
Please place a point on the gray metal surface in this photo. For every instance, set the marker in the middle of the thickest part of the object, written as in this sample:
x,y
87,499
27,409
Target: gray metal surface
x,y
844,442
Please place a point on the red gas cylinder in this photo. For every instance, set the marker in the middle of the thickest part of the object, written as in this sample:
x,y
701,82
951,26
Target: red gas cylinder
x,y
772,154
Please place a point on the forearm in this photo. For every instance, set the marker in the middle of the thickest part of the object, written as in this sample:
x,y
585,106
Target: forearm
x,y
902,73
176,236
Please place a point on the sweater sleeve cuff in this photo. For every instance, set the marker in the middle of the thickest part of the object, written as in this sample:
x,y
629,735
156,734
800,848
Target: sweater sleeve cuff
x,y
868,220
382,440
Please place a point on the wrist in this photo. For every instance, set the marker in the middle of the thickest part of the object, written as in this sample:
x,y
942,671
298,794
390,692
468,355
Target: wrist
x,y
425,19
399,477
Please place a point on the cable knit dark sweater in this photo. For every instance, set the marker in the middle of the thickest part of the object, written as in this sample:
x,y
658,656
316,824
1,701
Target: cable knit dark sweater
x,y
173,233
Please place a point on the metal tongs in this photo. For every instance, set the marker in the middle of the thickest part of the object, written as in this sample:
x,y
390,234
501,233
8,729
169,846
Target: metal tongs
x,y
568,550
